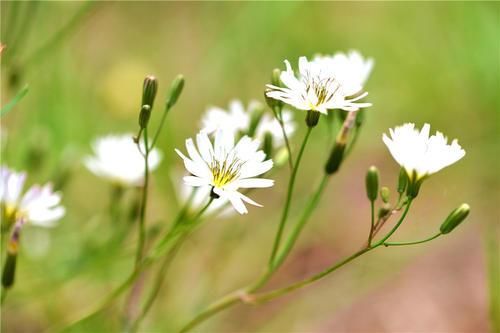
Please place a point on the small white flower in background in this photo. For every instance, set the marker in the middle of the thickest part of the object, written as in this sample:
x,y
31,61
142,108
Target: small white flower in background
x,y
117,158
315,89
226,167
237,119
420,154
40,205
350,69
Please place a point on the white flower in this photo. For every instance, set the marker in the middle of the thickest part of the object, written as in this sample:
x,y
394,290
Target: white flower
x,y
237,119
420,154
39,205
350,69
226,167
118,159
316,88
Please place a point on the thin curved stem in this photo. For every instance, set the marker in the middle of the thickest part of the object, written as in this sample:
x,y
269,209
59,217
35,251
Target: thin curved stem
x,y
245,296
313,203
285,136
412,243
393,230
162,121
286,209
372,226
142,217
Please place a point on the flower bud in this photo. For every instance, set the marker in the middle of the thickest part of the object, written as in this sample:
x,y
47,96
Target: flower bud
x,y
144,115
371,182
455,218
9,268
175,91
276,77
335,159
402,181
384,210
149,89
312,118
268,145
385,194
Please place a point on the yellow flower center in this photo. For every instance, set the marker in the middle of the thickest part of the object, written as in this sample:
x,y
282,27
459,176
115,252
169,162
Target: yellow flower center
x,y
225,172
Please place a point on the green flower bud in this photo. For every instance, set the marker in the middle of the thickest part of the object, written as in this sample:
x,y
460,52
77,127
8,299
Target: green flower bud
x,y
312,118
385,194
175,91
371,182
144,116
455,218
276,77
149,89
402,181
335,159
384,210
9,268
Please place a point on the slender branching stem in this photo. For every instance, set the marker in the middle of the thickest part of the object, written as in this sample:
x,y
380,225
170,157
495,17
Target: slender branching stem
x,y
279,116
245,295
160,127
142,216
311,206
372,225
415,242
286,208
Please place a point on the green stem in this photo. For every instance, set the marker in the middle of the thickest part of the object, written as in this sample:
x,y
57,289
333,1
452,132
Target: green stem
x,y
401,219
142,218
372,226
245,294
168,259
412,243
162,121
285,136
288,198
301,223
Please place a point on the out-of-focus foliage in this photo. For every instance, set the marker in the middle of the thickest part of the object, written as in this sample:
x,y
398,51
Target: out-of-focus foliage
x,y
84,63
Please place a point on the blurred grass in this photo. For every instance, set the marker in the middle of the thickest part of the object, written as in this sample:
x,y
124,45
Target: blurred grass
x,y
435,62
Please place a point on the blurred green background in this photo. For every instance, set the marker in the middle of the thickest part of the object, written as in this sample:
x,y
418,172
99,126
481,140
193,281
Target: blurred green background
x,y
84,64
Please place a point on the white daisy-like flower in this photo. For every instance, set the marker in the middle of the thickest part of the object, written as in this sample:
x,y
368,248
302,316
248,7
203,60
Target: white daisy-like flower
x,y
315,89
419,154
226,167
237,120
350,69
117,159
40,205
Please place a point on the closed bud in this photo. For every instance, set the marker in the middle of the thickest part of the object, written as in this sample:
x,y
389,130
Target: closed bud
x,y
402,181
335,159
455,218
9,268
144,115
149,89
312,118
276,77
385,194
175,91
384,210
268,145
371,182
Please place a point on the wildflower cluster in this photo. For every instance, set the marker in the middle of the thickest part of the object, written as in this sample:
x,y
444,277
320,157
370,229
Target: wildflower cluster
x,y
235,151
